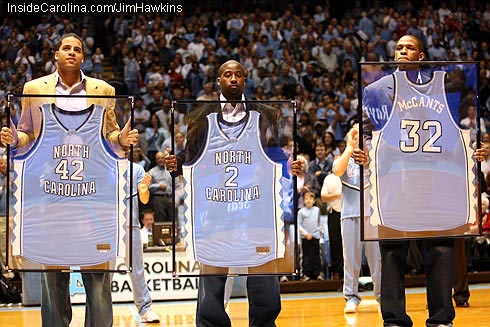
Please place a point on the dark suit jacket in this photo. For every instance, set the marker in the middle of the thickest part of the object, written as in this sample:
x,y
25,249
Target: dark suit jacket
x,y
198,127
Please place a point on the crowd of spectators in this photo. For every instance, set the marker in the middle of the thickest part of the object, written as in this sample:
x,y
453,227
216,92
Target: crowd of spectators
x,y
305,51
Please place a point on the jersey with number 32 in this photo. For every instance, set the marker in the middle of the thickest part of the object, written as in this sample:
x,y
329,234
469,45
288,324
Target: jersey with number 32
x,y
422,169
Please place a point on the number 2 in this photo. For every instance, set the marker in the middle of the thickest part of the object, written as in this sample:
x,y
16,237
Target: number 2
x,y
230,182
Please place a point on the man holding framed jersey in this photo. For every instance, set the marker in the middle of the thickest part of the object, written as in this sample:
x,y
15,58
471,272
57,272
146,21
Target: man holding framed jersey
x,y
438,253
69,80
263,291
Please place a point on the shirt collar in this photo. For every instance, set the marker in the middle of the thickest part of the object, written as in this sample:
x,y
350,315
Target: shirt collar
x,y
223,100
59,81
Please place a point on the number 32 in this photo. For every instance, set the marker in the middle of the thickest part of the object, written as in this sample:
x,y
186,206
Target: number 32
x,y
413,127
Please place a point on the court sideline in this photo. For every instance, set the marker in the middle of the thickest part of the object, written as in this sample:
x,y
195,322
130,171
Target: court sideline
x,y
323,309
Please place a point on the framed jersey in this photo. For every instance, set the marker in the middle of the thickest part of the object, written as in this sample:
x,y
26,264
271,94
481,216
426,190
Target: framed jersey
x,y
421,127
236,189
68,204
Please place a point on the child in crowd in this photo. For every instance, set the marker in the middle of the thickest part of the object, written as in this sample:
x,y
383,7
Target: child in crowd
x,y
309,228
98,59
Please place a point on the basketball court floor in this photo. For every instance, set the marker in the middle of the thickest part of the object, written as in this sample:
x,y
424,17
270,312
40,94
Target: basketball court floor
x,y
300,309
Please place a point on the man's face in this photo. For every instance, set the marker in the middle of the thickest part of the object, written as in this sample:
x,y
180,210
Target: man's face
x,y
138,103
407,49
148,220
179,138
320,152
160,159
156,94
70,54
232,81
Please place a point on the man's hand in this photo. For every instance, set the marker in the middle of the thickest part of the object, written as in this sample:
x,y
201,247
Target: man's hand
x,y
305,189
353,137
297,167
360,157
7,136
128,136
481,154
170,161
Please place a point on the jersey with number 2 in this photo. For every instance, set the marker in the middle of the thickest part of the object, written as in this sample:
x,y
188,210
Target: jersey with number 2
x,y
234,215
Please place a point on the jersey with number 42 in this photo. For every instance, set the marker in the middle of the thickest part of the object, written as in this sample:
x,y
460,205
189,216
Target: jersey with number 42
x,y
70,191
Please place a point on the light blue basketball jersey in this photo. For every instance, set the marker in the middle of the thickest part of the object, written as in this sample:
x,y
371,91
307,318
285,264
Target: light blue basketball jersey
x,y
69,193
351,186
422,162
233,199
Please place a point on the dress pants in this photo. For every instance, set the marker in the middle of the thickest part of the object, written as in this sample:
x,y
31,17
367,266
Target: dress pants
x,y
55,299
263,297
162,206
461,292
438,259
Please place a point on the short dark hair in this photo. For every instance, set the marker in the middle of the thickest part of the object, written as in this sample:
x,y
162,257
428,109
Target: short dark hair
x,y
147,210
320,145
144,211
67,35
420,44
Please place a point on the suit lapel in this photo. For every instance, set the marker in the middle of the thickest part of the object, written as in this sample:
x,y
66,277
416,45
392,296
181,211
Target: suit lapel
x,y
48,87
49,84
93,88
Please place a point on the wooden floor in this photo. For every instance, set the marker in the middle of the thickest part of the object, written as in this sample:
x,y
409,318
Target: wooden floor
x,y
302,309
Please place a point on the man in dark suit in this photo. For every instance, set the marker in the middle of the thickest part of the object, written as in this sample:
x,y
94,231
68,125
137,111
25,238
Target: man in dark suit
x,y
263,291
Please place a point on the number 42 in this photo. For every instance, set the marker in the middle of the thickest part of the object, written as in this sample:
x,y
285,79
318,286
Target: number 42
x,y
62,170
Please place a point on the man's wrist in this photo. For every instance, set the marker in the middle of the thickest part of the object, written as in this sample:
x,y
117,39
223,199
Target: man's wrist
x,y
15,143
349,149
119,139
